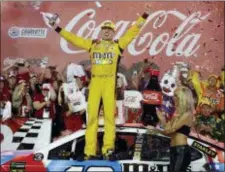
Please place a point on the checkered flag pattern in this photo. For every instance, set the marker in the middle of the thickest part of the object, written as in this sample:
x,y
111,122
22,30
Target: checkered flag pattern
x,y
33,134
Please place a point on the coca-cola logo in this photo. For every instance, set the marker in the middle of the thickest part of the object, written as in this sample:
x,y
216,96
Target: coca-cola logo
x,y
182,42
151,96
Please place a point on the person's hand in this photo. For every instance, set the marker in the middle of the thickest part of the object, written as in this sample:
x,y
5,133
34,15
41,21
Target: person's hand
x,y
51,20
159,114
206,128
47,103
26,64
68,113
148,9
149,127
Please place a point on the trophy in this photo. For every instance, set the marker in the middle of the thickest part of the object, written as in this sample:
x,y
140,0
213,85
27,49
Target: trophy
x,y
53,19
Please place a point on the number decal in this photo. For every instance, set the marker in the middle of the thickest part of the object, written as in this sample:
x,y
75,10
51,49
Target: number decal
x,y
89,169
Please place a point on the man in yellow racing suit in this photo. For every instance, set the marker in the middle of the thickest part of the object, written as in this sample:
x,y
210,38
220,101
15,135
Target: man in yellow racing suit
x,y
104,55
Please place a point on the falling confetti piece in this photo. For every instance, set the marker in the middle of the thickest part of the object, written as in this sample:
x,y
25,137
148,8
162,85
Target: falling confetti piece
x,y
204,44
175,35
218,25
209,51
210,20
215,39
98,4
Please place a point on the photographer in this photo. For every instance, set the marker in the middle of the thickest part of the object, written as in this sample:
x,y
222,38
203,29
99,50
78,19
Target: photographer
x,y
21,100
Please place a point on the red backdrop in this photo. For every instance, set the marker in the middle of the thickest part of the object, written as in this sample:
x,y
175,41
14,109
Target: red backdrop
x,y
176,31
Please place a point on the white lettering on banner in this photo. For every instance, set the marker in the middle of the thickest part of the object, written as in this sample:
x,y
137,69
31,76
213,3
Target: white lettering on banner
x,y
188,42
8,61
151,96
16,32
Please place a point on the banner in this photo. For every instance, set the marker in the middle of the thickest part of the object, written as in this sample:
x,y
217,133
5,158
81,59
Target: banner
x,y
175,31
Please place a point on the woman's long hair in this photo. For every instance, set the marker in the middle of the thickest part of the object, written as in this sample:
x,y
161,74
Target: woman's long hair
x,y
186,100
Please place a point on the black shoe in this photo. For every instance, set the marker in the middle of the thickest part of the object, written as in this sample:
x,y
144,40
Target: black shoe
x,y
110,155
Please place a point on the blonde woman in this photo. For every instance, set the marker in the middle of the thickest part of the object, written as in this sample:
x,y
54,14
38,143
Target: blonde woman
x,y
178,129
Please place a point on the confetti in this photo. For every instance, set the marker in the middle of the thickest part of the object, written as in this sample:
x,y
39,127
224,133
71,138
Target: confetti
x,y
175,35
209,51
218,25
98,4
215,39
210,20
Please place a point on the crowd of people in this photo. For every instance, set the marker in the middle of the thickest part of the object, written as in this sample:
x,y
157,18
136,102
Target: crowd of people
x,y
41,95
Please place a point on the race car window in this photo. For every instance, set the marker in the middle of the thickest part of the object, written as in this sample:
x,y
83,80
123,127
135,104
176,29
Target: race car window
x,y
125,145
62,152
156,148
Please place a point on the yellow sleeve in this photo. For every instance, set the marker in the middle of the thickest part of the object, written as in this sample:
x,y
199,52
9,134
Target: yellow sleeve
x,y
131,33
76,40
197,84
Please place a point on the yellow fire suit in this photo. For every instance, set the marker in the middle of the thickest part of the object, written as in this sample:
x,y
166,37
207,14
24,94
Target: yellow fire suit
x,y
104,56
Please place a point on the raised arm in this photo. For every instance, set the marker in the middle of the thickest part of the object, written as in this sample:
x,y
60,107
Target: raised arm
x,y
74,39
52,21
134,30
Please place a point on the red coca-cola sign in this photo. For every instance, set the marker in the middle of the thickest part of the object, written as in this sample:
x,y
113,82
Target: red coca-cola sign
x,y
152,97
174,31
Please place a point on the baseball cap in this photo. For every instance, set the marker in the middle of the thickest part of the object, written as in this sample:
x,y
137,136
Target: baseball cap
x,y
204,101
45,87
108,24
154,72
12,74
21,81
